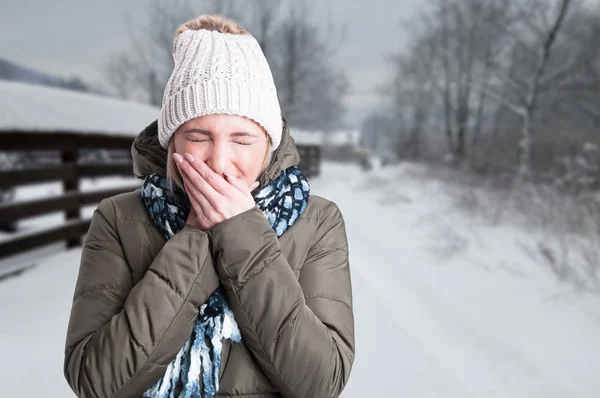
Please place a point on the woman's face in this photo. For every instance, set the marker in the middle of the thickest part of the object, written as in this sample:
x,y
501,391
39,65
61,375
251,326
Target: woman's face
x,y
226,143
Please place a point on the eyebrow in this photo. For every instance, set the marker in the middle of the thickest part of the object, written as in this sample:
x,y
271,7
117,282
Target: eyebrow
x,y
209,133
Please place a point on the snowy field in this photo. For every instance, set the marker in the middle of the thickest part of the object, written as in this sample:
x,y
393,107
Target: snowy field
x,y
445,305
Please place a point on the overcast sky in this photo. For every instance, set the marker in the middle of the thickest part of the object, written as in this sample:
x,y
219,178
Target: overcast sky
x,y
74,37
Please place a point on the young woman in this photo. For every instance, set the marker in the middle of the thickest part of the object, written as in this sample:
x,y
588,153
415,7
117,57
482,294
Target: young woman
x,y
222,275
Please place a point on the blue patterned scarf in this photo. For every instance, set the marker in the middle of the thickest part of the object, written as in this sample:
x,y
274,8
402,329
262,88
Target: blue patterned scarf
x,y
281,201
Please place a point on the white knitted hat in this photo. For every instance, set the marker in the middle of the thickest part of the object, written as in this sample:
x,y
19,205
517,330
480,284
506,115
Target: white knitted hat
x,y
219,73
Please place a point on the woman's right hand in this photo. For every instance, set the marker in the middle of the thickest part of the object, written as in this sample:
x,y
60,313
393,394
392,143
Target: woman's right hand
x,y
193,219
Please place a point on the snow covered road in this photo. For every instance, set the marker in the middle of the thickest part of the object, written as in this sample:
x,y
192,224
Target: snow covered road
x,y
461,324
445,306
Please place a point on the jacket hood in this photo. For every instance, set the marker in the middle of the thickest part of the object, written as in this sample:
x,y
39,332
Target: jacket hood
x,y
150,157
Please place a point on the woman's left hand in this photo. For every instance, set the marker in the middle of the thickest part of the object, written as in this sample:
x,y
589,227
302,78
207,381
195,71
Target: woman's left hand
x,y
213,198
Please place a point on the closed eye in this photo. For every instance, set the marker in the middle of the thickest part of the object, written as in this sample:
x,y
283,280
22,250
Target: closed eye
x,y
204,140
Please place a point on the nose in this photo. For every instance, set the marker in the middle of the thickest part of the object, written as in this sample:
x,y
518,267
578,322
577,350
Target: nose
x,y
220,157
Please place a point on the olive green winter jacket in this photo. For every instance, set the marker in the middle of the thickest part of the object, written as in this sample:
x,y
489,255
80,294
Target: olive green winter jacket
x,y
137,295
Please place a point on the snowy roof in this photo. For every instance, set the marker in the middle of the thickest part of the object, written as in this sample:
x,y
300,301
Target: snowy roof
x,y
30,107
343,137
304,137
38,108
331,138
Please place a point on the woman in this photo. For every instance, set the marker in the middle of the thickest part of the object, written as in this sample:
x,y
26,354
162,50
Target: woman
x,y
221,276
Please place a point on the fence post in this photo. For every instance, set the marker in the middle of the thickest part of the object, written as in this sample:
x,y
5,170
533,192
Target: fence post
x,y
317,160
7,196
68,155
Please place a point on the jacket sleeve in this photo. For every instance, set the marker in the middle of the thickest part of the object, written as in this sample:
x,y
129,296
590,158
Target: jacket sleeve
x,y
121,337
300,331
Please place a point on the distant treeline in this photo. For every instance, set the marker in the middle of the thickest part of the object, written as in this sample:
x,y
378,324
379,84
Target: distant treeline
x,y
12,71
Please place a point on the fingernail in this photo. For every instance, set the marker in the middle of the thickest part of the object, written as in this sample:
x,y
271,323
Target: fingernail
x,y
189,157
228,175
178,158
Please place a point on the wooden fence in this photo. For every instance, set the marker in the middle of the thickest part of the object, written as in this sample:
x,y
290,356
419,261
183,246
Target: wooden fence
x,y
310,159
69,170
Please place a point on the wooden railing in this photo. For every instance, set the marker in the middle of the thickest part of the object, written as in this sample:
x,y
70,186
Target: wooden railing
x,y
69,170
310,160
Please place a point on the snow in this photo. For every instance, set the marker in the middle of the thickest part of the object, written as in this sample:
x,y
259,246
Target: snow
x,y
340,138
34,310
29,107
305,137
471,314
446,305
333,138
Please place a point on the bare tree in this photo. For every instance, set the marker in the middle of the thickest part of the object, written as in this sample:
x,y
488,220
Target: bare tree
x,y
460,41
265,15
140,72
300,53
377,132
311,88
534,39
511,86
413,95
575,88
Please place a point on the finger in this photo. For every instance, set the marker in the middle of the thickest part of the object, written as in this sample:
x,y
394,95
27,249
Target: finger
x,y
218,183
192,197
240,184
195,179
199,212
254,185
202,209
208,209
